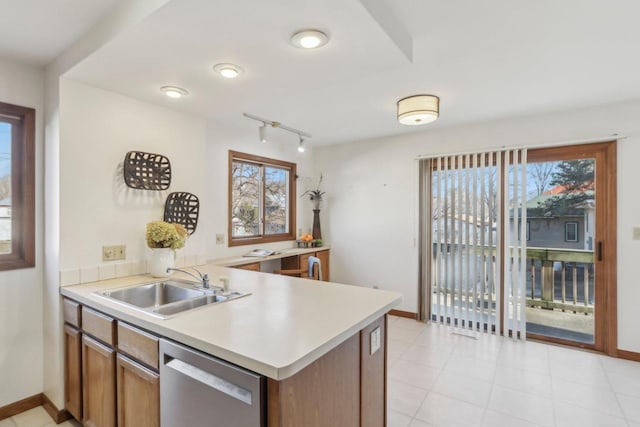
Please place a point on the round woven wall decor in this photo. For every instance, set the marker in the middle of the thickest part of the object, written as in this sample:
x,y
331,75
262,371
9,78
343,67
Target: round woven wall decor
x,y
182,208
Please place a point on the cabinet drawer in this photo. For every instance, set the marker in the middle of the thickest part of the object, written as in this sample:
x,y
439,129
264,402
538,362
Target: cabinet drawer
x,y
71,310
138,344
99,326
253,266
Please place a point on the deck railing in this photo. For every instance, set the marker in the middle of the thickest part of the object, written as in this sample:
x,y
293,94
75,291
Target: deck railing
x,y
561,279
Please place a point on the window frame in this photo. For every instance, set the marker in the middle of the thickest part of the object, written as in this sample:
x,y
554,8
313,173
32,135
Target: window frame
x,y
262,238
566,231
23,121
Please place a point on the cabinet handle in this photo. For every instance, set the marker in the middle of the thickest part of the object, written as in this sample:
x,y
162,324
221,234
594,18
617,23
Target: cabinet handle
x,y
599,251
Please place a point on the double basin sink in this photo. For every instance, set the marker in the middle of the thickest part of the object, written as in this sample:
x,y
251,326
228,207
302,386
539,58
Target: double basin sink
x,y
167,298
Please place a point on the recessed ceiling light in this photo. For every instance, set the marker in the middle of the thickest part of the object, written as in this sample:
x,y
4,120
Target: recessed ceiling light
x,y
229,71
309,39
174,92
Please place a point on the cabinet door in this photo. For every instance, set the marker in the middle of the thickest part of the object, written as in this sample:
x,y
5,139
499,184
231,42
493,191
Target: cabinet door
x,y
304,263
138,395
323,256
98,384
255,266
73,371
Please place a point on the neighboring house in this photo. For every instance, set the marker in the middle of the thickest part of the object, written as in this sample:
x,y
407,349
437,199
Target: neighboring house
x,y
457,227
572,230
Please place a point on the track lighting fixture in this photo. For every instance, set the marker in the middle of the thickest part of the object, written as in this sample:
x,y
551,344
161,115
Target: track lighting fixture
x,y
262,130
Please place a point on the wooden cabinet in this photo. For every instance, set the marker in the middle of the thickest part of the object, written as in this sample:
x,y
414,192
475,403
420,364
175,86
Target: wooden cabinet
x,y
323,256
73,371
301,262
254,266
138,394
98,384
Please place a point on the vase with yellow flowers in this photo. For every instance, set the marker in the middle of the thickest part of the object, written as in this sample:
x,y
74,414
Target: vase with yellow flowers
x,y
164,238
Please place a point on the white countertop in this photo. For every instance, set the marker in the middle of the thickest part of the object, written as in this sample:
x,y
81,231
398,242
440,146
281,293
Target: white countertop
x,y
284,325
282,253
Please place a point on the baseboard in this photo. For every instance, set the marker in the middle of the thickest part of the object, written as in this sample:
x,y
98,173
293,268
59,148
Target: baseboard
x,y
629,355
407,314
21,406
58,415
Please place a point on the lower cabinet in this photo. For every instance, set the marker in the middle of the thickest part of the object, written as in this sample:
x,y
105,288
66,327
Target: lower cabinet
x,y
98,384
73,371
138,394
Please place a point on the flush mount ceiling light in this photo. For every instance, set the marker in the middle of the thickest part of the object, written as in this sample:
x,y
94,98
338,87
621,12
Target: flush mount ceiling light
x,y
262,130
309,39
174,91
418,109
229,71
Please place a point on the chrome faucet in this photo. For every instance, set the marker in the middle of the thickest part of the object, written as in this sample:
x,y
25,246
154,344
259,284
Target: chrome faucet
x,y
203,279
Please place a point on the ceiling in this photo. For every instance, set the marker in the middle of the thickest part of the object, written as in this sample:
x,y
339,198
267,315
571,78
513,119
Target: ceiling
x,y
36,31
486,60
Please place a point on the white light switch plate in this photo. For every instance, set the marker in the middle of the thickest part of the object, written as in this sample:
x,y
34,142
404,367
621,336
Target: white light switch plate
x,y
374,341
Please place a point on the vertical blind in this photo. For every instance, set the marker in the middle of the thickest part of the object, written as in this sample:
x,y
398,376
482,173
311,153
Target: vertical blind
x,y
476,240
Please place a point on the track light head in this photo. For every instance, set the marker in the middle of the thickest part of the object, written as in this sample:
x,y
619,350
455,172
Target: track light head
x,y
262,133
301,144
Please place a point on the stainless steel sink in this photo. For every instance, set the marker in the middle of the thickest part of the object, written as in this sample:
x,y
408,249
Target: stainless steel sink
x,y
167,298
153,294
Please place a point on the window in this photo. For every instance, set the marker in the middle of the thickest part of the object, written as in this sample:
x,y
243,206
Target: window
x,y
17,187
571,231
261,199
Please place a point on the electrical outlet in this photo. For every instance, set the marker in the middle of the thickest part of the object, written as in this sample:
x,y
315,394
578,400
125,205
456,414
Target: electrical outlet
x,y
636,233
114,253
374,341
220,239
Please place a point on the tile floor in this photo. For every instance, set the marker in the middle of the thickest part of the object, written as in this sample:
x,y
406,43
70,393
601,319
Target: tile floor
x,y
437,378
36,417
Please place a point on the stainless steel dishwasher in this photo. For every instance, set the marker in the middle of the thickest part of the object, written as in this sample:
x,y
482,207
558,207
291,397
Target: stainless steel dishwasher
x,y
200,390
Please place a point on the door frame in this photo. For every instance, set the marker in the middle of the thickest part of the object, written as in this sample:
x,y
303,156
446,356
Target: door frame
x,y
605,253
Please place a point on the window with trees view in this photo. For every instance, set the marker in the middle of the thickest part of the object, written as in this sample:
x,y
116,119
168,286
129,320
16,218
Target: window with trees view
x,y
17,189
261,199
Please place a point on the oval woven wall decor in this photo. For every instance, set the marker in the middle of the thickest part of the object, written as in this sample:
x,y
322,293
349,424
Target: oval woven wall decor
x,y
147,171
182,208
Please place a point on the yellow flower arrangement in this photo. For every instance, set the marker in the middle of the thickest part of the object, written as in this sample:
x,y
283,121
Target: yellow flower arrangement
x,y
162,234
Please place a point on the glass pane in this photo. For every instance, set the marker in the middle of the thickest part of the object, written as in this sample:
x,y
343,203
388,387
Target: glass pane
x,y
276,195
5,187
561,213
245,199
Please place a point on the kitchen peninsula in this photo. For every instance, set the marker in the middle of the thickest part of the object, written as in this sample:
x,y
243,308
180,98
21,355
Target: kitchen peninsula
x,y
320,346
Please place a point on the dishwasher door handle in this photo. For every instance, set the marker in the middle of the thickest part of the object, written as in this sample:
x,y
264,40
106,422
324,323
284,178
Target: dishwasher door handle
x,y
210,380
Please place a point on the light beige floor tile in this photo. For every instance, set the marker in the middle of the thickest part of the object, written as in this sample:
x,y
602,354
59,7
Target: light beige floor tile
x,y
410,324
414,374
524,361
625,383
463,388
404,398
525,406
445,411
396,348
7,423
396,419
36,417
471,367
433,356
497,419
402,334
592,375
418,423
526,381
620,366
585,396
571,415
574,357
630,407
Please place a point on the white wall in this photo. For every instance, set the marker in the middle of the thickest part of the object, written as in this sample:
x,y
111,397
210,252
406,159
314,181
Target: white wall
x,y
21,358
372,189
97,129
